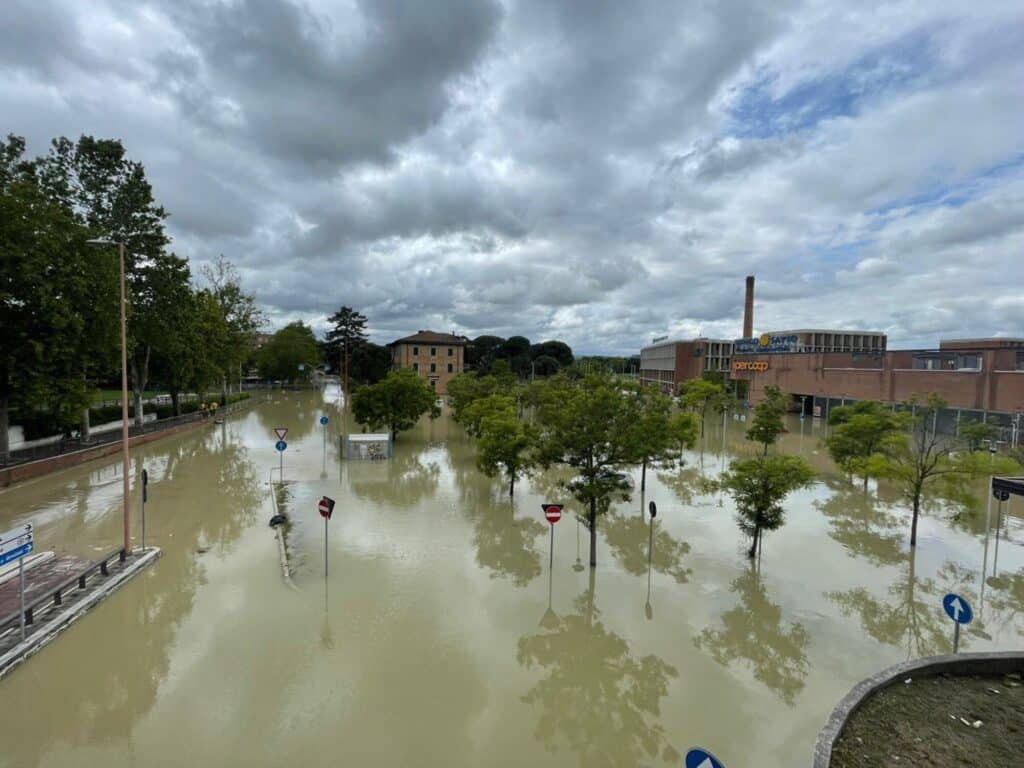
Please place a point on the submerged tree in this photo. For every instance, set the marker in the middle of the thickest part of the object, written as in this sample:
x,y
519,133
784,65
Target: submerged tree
x,y
396,403
922,460
767,424
861,431
759,486
656,437
506,444
586,425
701,395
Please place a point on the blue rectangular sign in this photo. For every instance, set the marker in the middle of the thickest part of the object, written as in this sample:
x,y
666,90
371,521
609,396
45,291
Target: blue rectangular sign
x,y
767,344
14,554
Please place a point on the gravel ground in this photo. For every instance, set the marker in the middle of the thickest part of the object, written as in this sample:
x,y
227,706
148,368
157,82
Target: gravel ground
x,y
939,722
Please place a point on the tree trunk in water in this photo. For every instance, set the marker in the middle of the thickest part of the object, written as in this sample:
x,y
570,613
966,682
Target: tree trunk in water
x,y
137,399
512,486
85,427
593,533
643,475
5,445
913,525
590,598
753,547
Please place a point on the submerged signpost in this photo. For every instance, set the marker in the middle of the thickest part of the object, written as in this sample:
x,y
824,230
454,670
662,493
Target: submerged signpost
x,y
701,758
281,446
326,509
959,610
14,545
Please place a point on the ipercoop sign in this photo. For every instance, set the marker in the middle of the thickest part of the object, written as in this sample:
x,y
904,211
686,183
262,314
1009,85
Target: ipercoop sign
x,y
756,366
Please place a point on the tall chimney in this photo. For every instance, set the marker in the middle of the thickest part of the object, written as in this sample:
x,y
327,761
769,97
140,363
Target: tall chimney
x,y
748,310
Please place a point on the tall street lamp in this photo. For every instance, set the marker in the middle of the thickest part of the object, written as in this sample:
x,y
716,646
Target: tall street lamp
x,y
126,503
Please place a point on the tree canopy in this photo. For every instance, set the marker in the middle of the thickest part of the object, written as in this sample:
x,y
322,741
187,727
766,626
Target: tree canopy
x,y
396,403
291,347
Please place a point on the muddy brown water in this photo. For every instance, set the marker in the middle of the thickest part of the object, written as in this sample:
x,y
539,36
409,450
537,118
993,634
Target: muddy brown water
x,y
433,643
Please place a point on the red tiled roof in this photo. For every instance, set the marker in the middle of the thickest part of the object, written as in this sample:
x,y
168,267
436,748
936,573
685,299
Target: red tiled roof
x,y
430,337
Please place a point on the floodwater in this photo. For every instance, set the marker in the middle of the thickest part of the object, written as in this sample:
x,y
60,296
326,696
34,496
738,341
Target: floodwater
x,y
440,636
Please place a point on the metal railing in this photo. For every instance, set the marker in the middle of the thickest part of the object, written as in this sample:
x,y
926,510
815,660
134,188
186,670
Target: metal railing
x,y
54,596
69,445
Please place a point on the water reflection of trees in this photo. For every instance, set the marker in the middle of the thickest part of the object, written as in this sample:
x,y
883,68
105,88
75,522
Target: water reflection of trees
x,y
755,632
597,699
629,537
1007,597
863,525
910,616
402,481
687,483
113,680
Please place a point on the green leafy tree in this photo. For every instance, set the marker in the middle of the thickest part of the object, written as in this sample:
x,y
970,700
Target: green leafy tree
x,y
759,486
700,396
860,431
464,390
290,347
240,319
978,434
347,333
95,181
396,403
922,460
651,436
558,350
369,363
767,424
544,365
482,352
505,443
55,304
586,425
682,431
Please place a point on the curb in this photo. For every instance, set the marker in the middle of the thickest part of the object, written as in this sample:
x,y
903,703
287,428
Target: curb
x,y
961,664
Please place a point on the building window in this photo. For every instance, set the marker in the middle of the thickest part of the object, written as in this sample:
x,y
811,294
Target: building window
x,y
1020,359
433,367
433,351
415,350
450,368
450,351
433,383
415,366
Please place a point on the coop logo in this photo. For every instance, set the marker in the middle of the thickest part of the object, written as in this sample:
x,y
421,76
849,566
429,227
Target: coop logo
x,y
755,366
765,340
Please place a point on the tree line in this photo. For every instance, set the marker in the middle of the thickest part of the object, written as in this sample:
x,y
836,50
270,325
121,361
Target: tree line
x,y
59,292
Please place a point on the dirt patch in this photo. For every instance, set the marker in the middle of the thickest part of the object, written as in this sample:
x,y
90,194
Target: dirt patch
x,y
939,722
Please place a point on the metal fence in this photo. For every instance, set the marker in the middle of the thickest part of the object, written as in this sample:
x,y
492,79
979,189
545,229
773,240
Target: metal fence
x,y
69,445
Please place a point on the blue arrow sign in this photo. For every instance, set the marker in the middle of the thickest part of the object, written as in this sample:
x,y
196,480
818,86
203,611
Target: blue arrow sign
x,y
323,421
14,554
281,445
699,758
958,609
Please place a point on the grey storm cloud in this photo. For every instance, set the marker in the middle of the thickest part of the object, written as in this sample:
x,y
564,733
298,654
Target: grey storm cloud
x,y
594,171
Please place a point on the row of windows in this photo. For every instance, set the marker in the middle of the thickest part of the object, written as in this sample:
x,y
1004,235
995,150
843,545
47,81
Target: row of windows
x,y
433,367
433,351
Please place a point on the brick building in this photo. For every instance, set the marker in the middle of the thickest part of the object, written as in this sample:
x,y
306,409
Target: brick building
x,y
668,363
981,376
436,357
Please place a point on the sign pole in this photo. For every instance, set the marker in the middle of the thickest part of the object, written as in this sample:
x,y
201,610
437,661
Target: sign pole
x,y
325,548
956,636
145,487
21,585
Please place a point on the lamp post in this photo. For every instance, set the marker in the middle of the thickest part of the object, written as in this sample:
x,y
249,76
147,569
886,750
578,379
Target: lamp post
x,y
126,460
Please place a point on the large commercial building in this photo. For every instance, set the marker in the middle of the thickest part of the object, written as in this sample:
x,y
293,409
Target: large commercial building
x,y
981,377
667,363
436,357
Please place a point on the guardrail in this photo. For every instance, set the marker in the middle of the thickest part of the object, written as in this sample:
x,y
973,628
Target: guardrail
x,y
54,596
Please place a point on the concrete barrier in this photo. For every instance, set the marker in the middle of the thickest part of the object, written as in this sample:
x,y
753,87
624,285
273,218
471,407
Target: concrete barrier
x,y
959,665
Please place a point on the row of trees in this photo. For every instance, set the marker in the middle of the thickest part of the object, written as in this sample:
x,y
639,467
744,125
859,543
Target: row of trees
x,y
523,358
59,292
872,440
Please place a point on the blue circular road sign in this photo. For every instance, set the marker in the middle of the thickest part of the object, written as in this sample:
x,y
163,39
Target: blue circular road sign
x,y
323,421
281,445
699,758
958,609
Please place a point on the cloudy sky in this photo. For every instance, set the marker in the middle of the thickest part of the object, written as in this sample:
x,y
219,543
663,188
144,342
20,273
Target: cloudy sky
x,y
599,172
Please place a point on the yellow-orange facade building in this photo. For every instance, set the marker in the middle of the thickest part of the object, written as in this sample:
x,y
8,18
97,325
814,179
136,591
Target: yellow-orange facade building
x,y
437,357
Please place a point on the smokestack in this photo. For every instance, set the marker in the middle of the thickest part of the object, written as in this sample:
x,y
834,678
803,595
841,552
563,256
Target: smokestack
x,y
748,310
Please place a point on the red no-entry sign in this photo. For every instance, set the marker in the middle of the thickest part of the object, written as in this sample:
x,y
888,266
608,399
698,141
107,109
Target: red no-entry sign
x,y
552,512
326,507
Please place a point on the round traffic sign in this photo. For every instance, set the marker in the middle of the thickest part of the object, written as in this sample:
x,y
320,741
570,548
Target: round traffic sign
x,y
325,508
553,513
1001,494
281,445
958,609
323,421
701,758
653,509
